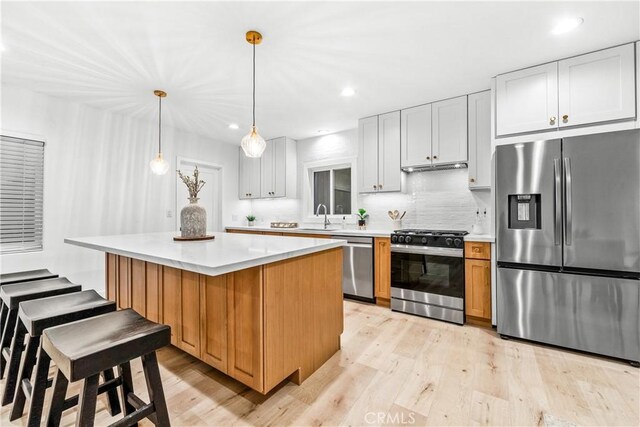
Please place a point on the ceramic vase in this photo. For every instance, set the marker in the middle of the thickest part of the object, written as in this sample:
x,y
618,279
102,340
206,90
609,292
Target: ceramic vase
x,y
193,220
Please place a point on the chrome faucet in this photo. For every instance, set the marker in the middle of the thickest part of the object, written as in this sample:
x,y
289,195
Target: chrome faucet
x,y
326,220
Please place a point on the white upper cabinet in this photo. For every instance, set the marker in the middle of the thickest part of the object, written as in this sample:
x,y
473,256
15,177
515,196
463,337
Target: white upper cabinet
x,y
249,185
389,172
449,131
597,87
368,154
271,175
527,100
379,153
480,140
274,168
415,136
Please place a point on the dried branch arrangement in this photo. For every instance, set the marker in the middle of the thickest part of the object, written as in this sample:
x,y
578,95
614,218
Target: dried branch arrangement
x,y
194,185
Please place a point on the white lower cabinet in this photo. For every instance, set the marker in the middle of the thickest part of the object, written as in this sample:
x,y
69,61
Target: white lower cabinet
x,y
449,131
480,140
597,87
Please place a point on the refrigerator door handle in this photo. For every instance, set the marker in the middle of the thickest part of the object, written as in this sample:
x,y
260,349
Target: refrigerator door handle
x,y
557,198
568,210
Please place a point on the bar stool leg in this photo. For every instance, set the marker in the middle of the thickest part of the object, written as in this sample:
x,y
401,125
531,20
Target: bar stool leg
x,y
154,386
26,370
7,335
60,385
113,404
36,403
3,316
13,367
124,371
87,402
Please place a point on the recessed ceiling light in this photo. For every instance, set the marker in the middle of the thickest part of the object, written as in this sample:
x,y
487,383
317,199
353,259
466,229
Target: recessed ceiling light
x,y
348,91
566,25
233,126
457,165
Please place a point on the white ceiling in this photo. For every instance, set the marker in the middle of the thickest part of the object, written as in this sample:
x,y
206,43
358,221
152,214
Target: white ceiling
x,y
112,55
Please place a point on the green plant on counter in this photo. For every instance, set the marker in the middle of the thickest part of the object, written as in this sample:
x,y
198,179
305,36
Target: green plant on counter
x,y
251,218
362,214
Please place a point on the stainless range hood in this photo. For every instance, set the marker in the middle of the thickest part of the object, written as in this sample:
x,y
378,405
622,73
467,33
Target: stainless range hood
x,y
436,167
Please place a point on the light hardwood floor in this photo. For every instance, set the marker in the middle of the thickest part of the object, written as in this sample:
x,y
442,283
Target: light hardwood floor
x,y
397,369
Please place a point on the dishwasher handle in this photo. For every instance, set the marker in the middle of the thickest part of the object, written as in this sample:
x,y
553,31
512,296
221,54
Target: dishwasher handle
x,y
359,245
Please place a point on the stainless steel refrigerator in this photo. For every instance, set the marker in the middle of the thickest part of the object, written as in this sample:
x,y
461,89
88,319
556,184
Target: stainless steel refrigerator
x,y
568,242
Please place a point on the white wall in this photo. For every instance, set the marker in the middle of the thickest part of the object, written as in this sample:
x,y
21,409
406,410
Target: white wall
x,y
97,178
435,199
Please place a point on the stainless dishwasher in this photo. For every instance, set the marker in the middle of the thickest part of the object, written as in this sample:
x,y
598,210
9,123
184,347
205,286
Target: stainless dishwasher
x,y
357,268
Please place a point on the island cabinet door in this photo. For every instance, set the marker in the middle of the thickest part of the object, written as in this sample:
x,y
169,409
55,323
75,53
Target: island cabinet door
x,y
138,286
123,299
171,284
111,272
189,332
245,326
213,312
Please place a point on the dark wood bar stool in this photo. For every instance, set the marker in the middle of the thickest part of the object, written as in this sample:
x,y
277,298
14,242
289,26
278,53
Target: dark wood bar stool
x,y
26,276
83,349
13,295
33,318
21,277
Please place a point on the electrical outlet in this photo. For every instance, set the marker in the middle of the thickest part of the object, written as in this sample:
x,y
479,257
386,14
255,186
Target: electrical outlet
x,y
169,213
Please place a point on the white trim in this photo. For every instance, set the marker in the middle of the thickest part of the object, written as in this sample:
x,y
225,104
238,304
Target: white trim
x,y
326,164
185,160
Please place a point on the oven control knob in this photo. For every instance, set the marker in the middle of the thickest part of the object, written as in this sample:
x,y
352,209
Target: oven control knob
x,y
424,240
449,241
457,242
394,239
401,239
408,239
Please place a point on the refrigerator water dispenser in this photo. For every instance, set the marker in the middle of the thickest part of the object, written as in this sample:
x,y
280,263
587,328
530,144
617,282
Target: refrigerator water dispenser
x,y
524,211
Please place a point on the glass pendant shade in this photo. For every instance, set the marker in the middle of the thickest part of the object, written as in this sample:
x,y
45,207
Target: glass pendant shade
x,y
253,144
159,166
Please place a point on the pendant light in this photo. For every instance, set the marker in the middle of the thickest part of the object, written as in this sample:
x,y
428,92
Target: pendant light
x,y
253,144
159,165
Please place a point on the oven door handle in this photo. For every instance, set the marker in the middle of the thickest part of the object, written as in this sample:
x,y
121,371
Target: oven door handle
x,y
423,250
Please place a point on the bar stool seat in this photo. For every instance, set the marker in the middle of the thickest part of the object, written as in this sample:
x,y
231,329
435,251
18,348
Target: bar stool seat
x,y
34,317
13,295
37,315
26,276
83,349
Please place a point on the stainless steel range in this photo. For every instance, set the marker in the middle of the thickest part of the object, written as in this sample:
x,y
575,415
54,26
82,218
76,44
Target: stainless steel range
x,y
427,273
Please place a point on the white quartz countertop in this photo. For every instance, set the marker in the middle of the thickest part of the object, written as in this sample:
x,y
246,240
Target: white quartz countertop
x,y
226,253
308,230
479,238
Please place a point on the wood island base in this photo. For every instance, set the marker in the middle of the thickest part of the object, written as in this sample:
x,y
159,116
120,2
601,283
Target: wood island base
x,y
260,325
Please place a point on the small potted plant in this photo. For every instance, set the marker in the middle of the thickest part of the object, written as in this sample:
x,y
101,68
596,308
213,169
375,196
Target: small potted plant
x,y
362,219
251,219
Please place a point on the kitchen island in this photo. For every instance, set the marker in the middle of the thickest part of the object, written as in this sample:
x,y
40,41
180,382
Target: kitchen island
x,y
259,308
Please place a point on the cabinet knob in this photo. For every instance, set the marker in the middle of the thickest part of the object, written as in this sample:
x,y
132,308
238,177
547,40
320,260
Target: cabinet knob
x,y
380,186
435,157
428,158
565,118
472,180
552,120
375,187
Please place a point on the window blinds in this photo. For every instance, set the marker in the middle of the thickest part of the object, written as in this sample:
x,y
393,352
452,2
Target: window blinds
x,y
21,194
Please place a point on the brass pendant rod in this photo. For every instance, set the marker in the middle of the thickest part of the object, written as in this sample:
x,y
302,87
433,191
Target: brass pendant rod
x,y
159,125
254,81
